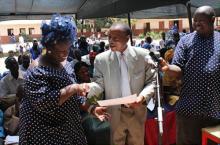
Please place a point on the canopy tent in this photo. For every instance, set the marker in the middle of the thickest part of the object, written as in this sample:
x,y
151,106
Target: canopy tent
x,y
84,9
173,11
117,7
41,9
36,9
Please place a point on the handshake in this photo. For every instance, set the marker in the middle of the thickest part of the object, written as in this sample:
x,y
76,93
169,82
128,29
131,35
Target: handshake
x,y
93,94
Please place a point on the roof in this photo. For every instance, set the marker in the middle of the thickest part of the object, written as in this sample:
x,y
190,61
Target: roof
x,y
43,9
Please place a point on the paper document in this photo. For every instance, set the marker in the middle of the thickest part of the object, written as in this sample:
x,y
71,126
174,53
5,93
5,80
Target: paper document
x,y
11,140
118,101
151,104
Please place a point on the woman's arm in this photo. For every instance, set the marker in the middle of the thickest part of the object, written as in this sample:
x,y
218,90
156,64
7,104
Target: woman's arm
x,y
73,89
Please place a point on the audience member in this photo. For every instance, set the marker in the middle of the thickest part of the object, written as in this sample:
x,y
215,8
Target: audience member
x,y
25,63
83,46
9,83
102,47
97,132
162,41
147,43
11,115
35,51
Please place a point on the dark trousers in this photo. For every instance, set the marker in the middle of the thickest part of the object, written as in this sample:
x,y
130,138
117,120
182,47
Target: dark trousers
x,y
189,131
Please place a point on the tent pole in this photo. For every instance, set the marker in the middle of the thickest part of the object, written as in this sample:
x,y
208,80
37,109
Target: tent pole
x,y
76,19
82,27
129,23
188,6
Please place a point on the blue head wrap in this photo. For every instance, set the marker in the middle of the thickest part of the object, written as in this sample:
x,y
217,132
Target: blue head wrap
x,y
59,29
170,42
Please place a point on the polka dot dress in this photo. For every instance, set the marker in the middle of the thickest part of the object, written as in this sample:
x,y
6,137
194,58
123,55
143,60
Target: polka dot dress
x,y
42,121
199,59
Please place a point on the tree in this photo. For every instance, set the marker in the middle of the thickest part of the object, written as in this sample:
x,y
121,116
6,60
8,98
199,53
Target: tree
x,y
102,23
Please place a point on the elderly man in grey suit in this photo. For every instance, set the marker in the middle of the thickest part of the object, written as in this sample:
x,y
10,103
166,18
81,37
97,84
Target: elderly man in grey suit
x,y
120,72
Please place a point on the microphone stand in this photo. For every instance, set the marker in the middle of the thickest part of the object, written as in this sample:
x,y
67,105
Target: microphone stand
x,y
159,106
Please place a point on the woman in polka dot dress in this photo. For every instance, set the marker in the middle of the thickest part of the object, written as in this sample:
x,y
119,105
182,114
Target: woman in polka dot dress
x,y
49,112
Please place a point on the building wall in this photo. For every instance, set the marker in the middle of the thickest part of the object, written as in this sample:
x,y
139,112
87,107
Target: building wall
x,y
140,26
160,25
16,25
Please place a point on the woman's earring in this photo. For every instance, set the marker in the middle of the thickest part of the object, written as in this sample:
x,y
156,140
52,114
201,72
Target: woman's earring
x,y
49,51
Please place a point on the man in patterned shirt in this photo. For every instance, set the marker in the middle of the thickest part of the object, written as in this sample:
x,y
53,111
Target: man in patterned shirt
x,y
197,62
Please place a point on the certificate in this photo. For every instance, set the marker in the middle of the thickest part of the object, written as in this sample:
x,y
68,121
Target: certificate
x,y
118,101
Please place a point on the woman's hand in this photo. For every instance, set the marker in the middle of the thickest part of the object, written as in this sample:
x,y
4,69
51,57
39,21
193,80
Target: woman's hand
x,y
74,89
82,89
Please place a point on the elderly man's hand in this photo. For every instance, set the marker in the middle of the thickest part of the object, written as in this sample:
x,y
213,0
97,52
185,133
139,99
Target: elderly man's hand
x,y
101,114
140,99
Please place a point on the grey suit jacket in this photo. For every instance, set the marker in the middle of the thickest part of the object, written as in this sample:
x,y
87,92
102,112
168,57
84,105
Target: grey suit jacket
x,y
107,77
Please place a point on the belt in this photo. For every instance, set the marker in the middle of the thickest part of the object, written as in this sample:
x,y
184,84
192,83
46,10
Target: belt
x,y
124,106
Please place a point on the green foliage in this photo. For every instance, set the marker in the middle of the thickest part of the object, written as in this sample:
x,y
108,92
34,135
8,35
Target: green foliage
x,y
87,27
102,23
115,20
27,38
141,36
153,35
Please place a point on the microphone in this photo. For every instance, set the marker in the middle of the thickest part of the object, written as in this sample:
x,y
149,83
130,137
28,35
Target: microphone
x,y
154,57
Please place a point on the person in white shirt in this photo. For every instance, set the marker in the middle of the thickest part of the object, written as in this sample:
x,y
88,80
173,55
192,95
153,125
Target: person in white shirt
x,y
9,83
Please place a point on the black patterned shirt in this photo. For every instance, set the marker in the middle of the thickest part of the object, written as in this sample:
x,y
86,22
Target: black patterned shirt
x,y
199,59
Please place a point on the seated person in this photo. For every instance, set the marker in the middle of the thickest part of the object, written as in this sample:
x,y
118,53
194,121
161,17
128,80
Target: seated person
x,y
2,133
11,115
171,86
96,131
82,72
9,83
147,44
76,57
92,56
25,62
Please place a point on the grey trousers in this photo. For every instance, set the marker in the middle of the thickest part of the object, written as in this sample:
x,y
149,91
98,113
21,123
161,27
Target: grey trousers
x,y
130,130
189,130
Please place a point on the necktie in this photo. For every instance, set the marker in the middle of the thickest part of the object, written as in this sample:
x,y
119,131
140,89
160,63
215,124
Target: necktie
x,y
125,84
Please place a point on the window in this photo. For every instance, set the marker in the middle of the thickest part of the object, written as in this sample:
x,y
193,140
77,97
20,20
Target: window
x,y
161,25
217,21
146,28
10,32
22,31
31,31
